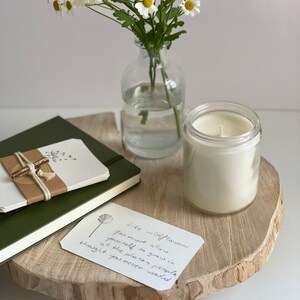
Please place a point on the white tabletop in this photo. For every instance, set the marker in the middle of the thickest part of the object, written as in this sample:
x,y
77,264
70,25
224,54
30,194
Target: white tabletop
x,y
280,278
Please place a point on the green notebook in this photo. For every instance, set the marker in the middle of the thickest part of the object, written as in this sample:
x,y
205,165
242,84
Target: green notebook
x,y
23,227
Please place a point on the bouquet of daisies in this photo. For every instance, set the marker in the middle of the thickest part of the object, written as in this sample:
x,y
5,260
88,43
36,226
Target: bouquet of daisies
x,y
155,24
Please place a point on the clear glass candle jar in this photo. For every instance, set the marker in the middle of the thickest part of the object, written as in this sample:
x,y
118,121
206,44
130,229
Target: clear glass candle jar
x,y
221,157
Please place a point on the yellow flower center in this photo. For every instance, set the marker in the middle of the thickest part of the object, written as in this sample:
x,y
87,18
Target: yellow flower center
x,y
69,5
56,6
147,3
189,5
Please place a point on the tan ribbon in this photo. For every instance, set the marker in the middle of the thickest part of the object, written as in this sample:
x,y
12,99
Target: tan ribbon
x,y
26,183
33,172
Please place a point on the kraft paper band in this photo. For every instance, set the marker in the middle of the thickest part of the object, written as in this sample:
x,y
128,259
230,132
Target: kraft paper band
x,y
26,184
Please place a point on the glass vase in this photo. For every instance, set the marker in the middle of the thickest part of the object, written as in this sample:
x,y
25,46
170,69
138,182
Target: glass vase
x,y
153,94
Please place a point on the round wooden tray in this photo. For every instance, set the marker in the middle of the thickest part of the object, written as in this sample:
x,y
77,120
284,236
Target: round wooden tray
x,y
236,245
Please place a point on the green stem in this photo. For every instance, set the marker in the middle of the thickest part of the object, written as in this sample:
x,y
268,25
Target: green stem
x,y
153,64
104,15
175,110
152,70
179,13
170,9
156,57
111,6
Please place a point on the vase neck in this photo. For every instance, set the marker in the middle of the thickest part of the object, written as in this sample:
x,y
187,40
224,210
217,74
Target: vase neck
x,y
158,56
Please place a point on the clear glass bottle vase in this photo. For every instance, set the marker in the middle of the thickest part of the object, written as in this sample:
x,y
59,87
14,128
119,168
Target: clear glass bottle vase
x,y
153,92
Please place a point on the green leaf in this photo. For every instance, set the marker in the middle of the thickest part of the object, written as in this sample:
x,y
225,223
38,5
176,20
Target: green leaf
x,y
144,115
162,14
178,23
174,36
175,11
124,17
167,2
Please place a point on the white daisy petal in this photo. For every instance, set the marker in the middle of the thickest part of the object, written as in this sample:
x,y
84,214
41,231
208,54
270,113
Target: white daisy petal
x,y
154,8
139,6
146,7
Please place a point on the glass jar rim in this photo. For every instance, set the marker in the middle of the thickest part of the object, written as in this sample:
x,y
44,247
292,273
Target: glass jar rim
x,y
228,107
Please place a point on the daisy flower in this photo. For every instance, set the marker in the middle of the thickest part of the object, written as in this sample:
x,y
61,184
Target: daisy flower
x,y
190,7
63,6
146,7
67,6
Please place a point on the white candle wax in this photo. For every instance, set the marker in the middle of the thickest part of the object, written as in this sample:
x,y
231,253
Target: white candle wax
x,y
221,160
222,124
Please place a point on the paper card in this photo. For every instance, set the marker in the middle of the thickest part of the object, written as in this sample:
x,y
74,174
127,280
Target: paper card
x,y
135,245
73,164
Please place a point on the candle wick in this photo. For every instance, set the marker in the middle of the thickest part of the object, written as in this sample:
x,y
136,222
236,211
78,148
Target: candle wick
x,y
221,130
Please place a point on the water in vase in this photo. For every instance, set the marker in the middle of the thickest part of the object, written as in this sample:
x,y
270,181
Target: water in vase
x,y
149,123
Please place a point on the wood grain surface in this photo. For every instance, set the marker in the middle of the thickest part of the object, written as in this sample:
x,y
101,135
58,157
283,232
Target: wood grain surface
x,y
236,245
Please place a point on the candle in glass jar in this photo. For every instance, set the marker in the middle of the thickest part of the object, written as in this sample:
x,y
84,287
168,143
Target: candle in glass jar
x,y
221,157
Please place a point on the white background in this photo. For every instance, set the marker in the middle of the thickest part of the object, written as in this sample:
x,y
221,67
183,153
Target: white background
x,y
244,51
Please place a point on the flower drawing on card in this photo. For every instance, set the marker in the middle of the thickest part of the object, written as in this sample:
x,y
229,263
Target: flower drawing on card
x,y
56,156
103,219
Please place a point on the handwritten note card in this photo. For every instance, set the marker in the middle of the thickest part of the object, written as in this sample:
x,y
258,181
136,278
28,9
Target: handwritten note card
x,y
137,246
